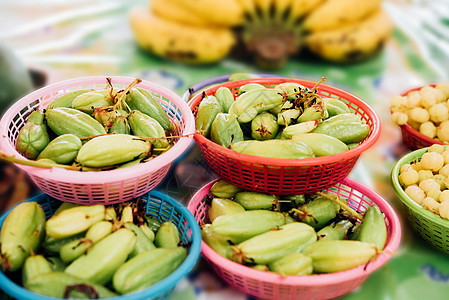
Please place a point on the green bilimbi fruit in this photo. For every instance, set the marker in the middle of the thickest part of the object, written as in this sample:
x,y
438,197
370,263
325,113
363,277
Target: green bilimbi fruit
x,y
147,269
248,105
225,130
63,120
292,264
145,126
267,247
131,163
274,148
52,245
56,263
299,128
64,206
260,268
355,231
208,109
298,199
225,98
127,214
335,256
63,149
74,249
33,136
141,99
348,133
240,76
74,220
264,127
107,116
153,223
335,107
55,284
110,150
167,235
22,232
254,200
147,231
315,112
335,231
287,116
99,230
87,102
97,267
34,265
143,243
242,226
67,99
291,88
223,189
249,87
318,212
216,241
339,119
120,126
373,229
222,207
321,144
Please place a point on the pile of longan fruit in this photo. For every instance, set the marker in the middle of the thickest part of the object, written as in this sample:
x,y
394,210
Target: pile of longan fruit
x,y
425,110
427,181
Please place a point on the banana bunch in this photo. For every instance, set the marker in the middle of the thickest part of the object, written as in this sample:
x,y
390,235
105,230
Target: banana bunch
x,y
268,31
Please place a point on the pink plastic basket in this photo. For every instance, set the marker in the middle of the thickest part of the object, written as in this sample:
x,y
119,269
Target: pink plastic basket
x,y
268,285
105,187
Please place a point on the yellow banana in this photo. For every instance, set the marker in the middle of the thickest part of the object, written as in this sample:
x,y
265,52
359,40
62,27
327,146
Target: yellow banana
x,y
336,13
179,42
224,13
353,42
299,8
169,10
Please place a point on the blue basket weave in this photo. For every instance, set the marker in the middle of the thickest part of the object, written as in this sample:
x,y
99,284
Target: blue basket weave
x,y
158,205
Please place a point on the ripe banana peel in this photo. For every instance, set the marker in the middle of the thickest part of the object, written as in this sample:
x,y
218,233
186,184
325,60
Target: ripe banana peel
x,y
205,31
353,42
179,42
200,12
333,14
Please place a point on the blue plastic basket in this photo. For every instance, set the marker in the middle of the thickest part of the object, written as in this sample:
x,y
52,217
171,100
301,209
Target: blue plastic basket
x,y
158,205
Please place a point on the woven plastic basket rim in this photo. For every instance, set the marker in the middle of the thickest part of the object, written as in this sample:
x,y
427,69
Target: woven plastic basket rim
x,y
304,162
405,199
415,133
70,176
317,279
153,291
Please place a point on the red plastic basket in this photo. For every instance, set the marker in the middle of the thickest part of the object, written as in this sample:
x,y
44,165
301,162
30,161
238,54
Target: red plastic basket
x,y
412,138
286,176
267,285
104,187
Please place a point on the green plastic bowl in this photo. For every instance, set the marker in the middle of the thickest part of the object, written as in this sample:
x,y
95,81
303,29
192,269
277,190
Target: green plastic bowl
x,y
430,226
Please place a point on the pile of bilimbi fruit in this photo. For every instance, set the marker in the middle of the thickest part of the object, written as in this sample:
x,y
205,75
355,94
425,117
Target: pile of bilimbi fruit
x,y
291,235
97,130
88,251
287,121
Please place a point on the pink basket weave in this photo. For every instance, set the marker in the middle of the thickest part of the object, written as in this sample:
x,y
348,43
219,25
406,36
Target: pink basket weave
x,y
268,285
104,187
